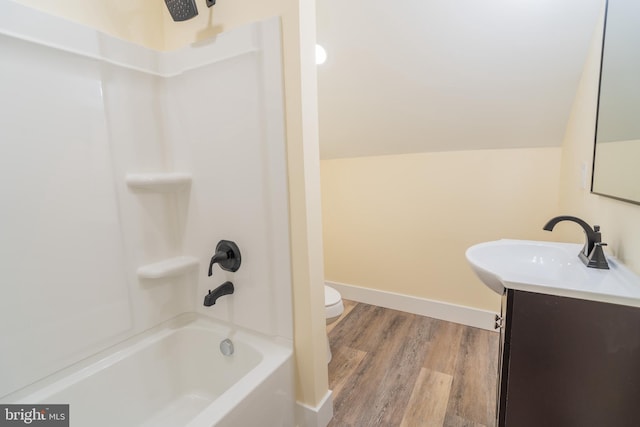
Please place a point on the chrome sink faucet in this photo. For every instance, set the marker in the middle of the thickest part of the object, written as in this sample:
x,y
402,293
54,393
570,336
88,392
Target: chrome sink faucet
x,y
592,254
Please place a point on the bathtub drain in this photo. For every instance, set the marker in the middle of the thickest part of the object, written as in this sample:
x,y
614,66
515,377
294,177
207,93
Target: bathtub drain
x,y
226,347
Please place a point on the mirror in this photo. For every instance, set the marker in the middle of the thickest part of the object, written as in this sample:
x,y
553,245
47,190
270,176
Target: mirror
x,y
616,162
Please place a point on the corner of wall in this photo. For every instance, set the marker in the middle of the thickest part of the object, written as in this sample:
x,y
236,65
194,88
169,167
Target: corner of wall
x,y
315,416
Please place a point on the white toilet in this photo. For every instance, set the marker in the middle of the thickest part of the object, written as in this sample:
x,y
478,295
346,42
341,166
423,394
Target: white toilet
x,y
333,308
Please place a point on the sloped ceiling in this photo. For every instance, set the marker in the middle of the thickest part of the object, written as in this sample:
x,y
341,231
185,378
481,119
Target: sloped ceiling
x,y
410,76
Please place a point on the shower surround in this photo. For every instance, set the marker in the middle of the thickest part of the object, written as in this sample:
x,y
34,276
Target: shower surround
x,y
121,168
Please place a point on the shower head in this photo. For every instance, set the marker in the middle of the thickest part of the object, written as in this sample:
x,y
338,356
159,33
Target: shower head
x,y
181,10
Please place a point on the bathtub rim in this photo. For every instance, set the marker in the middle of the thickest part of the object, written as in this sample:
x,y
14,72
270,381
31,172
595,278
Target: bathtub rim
x,y
275,352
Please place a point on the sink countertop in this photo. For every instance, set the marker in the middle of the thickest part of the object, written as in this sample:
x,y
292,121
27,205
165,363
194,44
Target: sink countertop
x,y
571,278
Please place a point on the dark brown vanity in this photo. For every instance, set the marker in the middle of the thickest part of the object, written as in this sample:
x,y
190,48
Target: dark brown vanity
x,y
568,362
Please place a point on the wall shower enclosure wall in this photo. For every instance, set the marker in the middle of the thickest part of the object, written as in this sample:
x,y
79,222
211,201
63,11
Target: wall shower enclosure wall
x,y
120,169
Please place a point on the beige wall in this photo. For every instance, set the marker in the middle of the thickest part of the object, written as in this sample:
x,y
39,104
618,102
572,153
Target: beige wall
x,y
620,221
134,20
147,22
223,16
402,223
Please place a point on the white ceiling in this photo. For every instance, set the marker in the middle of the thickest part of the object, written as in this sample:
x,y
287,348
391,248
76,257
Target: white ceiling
x,y
410,76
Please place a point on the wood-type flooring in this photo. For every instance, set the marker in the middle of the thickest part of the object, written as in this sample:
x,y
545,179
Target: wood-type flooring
x,y
391,368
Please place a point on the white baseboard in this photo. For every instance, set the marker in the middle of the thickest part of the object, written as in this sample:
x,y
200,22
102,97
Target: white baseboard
x,y
319,416
464,315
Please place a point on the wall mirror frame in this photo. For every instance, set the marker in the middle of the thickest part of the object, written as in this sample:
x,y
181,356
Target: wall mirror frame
x,y
616,157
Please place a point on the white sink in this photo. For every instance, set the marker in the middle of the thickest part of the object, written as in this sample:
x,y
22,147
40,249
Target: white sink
x,y
551,268
495,262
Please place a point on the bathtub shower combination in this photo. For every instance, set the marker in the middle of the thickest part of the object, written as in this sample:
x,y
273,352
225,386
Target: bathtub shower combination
x,y
111,159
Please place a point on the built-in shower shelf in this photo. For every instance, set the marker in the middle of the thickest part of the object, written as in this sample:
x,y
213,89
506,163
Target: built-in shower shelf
x,y
162,182
168,268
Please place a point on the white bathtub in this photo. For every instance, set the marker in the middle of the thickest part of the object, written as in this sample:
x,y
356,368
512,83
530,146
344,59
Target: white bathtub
x,y
175,375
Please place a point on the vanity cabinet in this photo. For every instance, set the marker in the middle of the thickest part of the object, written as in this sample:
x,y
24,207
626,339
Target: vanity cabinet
x,y
568,362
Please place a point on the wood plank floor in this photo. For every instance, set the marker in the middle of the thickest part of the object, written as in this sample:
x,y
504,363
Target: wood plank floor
x,y
391,368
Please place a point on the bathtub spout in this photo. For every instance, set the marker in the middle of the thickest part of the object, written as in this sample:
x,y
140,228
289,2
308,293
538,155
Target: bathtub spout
x,y
225,289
